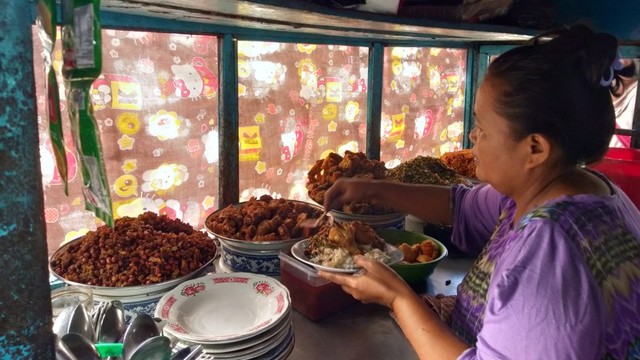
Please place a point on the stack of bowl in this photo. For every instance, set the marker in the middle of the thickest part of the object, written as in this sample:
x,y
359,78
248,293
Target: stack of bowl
x,y
256,256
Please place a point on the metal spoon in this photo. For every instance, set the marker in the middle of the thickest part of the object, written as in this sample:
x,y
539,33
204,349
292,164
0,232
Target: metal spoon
x,y
142,328
80,322
155,348
62,351
80,347
112,325
313,223
61,325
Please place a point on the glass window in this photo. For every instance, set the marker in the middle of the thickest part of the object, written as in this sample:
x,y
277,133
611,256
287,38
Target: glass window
x,y
297,103
422,102
624,105
156,107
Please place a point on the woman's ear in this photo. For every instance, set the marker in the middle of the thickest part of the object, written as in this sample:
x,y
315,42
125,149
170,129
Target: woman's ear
x,y
538,148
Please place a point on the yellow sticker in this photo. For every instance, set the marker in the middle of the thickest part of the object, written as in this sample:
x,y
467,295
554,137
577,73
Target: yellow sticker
x,y
250,143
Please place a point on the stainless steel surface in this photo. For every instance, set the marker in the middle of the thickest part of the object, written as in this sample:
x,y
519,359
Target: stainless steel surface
x,y
448,275
361,331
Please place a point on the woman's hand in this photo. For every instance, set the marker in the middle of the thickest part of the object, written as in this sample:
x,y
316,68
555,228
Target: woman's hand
x,y
346,190
375,283
378,283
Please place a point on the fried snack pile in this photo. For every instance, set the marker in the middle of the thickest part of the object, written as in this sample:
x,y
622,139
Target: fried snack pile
x,y
264,219
426,170
426,251
335,245
325,172
145,250
461,161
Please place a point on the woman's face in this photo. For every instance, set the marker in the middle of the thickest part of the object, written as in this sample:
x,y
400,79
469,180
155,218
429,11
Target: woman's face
x,y
499,158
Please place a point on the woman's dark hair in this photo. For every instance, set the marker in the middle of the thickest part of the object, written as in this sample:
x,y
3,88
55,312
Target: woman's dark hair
x,y
553,86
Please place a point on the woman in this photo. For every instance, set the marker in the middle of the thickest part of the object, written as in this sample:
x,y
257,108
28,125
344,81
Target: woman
x,y
559,272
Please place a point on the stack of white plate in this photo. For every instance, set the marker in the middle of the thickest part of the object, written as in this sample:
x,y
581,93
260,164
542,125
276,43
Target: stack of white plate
x,y
232,316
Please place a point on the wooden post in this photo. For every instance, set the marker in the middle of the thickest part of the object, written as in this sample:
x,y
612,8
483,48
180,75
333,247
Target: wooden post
x,y
25,321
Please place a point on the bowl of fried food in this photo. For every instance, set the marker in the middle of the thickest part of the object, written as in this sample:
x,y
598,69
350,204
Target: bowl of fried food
x,y
264,223
324,173
421,254
252,233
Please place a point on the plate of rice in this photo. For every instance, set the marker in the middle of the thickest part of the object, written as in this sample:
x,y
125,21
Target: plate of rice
x,y
335,245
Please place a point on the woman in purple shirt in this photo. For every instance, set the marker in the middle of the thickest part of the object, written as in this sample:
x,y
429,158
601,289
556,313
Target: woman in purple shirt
x,y
558,275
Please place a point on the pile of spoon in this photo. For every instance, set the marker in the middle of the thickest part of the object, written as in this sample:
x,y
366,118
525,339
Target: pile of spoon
x,y
85,336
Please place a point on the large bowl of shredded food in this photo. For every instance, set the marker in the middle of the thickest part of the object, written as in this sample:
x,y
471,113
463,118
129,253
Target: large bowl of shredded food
x,y
147,254
426,170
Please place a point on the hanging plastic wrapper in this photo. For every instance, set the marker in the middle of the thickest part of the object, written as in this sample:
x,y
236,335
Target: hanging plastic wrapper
x,y
46,23
82,64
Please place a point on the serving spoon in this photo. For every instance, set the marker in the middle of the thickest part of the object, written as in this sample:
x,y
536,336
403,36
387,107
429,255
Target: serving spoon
x,y
142,327
112,324
313,223
79,346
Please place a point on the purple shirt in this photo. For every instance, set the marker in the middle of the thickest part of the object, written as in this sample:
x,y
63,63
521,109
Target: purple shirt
x,y
564,283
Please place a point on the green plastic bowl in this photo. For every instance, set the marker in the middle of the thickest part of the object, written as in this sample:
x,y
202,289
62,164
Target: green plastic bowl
x,y
412,273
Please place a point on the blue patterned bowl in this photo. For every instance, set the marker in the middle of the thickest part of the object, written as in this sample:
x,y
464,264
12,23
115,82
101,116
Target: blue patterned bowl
x,y
135,305
253,261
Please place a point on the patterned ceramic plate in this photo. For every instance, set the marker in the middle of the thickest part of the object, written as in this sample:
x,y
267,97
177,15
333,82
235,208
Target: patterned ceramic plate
x,y
223,308
298,251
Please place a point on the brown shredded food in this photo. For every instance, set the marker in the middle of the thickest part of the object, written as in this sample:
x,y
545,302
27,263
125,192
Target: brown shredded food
x,y
461,161
148,249
426,170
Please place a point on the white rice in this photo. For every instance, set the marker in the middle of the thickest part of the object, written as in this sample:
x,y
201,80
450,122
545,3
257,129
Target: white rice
x,y
341,259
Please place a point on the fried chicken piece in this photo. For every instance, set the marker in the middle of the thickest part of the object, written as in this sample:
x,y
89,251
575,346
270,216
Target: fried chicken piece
x,y
342,236
365,235
429,249
268,226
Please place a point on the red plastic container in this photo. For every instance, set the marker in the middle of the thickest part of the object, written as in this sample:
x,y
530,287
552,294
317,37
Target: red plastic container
x,y
311,295
622,166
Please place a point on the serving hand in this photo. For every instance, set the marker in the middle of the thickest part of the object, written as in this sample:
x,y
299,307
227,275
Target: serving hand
x,y
374,283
